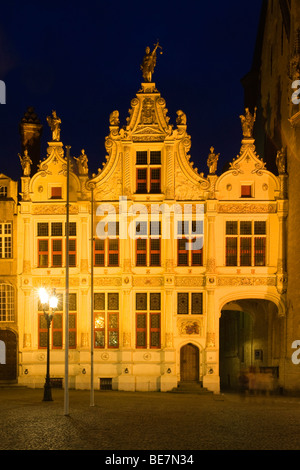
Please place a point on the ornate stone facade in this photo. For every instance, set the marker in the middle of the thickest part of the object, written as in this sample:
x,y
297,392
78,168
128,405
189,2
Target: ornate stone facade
x,y
143,298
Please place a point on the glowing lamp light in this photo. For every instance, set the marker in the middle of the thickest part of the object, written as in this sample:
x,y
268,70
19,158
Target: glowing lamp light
x,y
53,301
43,294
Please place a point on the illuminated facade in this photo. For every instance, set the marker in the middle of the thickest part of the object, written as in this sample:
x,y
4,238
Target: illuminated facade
x,y
156,304
174,276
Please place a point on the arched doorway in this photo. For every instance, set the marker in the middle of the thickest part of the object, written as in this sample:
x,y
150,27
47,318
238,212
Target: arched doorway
x,y
189,363
250,338
236,328
8,369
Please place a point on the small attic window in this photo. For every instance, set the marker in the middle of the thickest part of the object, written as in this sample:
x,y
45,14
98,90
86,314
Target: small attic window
x,y
246,190
3,191
56,192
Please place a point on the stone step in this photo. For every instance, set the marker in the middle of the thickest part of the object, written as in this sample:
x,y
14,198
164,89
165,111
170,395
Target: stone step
x,y
191,387
10,384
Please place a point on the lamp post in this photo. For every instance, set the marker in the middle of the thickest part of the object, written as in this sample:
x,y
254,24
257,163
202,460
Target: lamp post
x,y
50,301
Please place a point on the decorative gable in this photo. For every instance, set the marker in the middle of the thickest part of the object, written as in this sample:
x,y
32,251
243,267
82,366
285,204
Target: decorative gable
x,y
50,182
247,179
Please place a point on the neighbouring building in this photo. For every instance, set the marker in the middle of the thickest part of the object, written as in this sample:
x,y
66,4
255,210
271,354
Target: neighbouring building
x,y
173,276
9,321
273,86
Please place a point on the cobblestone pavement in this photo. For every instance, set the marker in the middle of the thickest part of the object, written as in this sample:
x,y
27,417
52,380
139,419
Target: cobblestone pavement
x,y
147,421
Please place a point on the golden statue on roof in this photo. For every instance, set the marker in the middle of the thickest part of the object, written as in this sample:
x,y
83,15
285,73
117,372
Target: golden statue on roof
x,y
149,62
54,124
247,122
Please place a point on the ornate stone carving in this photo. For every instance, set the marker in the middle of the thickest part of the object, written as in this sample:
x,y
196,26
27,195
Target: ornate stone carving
x,y
258,167
148,281
247,208
113,190
107,281
235,167
189,281
43,168
246,281
185,189
148,111
53,209
189,327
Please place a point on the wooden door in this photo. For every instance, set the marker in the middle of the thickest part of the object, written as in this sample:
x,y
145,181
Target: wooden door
x,y
189,363
8,370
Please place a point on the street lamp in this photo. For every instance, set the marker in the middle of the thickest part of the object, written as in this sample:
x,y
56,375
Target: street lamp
x,y
51,301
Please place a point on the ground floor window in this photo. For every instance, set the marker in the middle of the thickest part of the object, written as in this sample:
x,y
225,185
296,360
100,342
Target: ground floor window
x,y
106,320
57,324
7,304
148,320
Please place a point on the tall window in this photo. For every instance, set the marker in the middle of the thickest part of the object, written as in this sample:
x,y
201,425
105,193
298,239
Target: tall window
x,y
148,320
7,303
245,243
148,171
148,243
106,320
6,240
189,303
57,323
106,251
51,239
190,243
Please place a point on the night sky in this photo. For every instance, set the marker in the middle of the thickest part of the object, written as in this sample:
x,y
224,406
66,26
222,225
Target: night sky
x,y
83,60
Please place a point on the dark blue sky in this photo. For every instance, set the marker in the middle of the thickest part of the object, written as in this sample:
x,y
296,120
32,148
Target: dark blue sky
x,y
83,60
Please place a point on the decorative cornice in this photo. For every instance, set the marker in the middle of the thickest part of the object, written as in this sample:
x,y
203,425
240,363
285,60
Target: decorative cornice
x,y
53,209
246,208
246,281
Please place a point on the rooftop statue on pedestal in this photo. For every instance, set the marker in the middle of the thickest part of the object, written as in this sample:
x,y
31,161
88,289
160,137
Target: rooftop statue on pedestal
x,y
281,162
248,122
82,163
212,161
25,163
149,63
54,124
